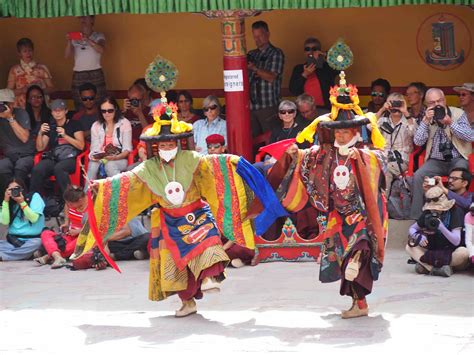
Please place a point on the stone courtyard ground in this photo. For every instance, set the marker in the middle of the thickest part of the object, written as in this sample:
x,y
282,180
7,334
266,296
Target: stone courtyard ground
x,y
270,308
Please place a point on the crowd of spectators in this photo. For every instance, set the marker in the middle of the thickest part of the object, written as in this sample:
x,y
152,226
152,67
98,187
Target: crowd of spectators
x,y
40,142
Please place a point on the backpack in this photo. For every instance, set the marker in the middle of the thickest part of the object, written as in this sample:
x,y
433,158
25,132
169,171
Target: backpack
x,y
53,206
399,201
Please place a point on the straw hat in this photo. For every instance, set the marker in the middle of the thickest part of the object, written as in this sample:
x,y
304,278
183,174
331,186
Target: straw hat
x,y
437,200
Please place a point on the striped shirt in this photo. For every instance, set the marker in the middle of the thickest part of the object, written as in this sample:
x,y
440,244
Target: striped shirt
x,y
459,128
264,94
75,218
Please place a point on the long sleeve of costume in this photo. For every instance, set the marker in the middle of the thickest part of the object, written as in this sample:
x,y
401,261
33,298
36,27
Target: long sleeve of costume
x,y
229,184
5,213
118,200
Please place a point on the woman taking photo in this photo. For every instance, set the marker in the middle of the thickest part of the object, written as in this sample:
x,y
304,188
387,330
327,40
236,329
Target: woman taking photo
x,y
111,140
36,107
22,213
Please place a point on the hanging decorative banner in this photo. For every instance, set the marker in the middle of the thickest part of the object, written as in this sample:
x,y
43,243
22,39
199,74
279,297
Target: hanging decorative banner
x,y
233,80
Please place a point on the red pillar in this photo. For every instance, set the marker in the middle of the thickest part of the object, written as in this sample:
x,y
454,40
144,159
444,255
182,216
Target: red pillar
x,y
236,85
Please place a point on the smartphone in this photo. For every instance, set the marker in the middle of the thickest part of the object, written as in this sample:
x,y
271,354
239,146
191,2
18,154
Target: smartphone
x,y
75,36
311,60
431,181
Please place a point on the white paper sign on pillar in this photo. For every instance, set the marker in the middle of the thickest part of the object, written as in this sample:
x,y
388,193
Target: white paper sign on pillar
x,y
233,80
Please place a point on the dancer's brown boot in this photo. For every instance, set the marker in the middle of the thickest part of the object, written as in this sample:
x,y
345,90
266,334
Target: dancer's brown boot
x,y
188,308
359,309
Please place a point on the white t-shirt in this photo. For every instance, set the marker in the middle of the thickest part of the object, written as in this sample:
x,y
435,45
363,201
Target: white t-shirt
x,y
86,57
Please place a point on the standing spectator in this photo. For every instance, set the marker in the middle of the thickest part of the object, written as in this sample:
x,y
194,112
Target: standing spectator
x,y
447,135
87,52
137,110
415,96
16,142
435,240
58,248
315,76
185,108
265,66
215,144
212,124
28,73
398,132
89,111
111,140
459,180
466,100
380,89
65,139
36,108
22,213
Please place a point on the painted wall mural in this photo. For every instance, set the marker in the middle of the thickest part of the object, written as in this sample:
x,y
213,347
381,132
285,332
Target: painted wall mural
x,y
444,41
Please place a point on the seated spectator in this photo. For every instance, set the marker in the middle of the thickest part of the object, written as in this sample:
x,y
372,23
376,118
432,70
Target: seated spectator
x,y
22,213
185,107
307,110
415,96
65,139
27,73
315,76
130,242
380,89
148,97
459,180
16,143
398,132
212,124
87,51
215,144
59,247
137,110
435,241
89,111
289,128
466,100
447,135
37,109
111,140
469,228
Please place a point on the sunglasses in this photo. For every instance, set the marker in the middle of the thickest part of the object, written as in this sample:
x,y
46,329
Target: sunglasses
x,y
184,101
88,98
434,199
379,94
36,97
284,112
311,49
213,107
110,110
463,94
214,146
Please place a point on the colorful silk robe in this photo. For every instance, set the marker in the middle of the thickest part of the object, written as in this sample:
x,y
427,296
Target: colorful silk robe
x,y
185,237
357,212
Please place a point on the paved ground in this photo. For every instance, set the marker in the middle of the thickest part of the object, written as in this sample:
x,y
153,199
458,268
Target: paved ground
x,y
276,307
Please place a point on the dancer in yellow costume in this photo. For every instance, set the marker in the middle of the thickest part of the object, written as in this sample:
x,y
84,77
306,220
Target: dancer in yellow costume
x,y
197,199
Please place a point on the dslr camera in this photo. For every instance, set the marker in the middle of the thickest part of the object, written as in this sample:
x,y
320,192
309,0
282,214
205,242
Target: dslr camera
x,y
134,102
439,112
394,156
432,220
446,149
16,191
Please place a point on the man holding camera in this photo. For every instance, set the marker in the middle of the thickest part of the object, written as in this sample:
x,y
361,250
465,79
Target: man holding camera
x,y
15,141
315,76
459,180
265,65
435,240
137,110
447,135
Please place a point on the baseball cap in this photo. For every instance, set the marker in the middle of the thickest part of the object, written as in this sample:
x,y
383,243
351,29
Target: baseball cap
x,y
7,95
58,104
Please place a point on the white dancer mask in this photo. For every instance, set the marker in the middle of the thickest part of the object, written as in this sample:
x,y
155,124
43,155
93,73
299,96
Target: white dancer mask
x,y
168,155
174,193
341,177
